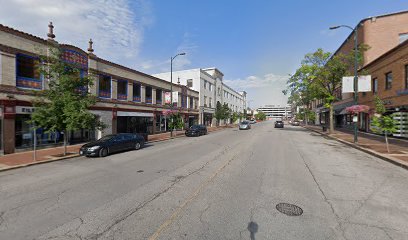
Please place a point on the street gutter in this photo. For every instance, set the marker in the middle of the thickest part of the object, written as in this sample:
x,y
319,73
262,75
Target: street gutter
x,y
384,157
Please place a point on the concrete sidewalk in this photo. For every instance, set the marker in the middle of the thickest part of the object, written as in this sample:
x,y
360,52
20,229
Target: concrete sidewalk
x,y
372,144
24,159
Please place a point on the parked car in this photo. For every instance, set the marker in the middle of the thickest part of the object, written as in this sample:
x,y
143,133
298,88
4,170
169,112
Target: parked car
x,y
196,130
252,121
244,125
279,124
111,144
295,123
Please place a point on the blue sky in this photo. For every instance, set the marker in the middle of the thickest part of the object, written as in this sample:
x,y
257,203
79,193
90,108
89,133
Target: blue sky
x,y
256,43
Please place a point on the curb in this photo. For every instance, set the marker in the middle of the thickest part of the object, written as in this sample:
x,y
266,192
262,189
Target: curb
x,y
392,160
77,155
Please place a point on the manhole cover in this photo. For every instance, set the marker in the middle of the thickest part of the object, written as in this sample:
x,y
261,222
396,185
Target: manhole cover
x,y
289,209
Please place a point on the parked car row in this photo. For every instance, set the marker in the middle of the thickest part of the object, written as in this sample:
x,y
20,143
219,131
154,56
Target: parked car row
x,y
126,141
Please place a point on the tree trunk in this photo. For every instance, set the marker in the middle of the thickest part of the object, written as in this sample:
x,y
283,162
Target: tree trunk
x,y
65,143
386,142
331,122
306,120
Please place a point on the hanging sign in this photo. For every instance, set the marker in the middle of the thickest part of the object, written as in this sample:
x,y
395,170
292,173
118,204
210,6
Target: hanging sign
x,y
364,84
175,97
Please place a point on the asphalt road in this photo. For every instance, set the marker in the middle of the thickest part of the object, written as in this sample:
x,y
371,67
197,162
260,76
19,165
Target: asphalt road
x,y
225,185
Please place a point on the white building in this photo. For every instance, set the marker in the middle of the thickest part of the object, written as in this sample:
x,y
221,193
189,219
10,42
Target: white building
x,y
209,83
276,111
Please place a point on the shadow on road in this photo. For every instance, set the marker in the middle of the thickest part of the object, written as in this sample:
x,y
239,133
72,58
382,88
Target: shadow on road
x,y
293,129
252,228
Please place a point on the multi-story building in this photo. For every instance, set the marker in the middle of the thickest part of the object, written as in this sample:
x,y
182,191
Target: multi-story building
x,y
276,111
127,100
209,83
389,75
381,34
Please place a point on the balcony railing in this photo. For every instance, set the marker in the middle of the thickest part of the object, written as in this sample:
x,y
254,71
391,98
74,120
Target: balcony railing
x,y
137,99
159,102
122,96
148,100
104,94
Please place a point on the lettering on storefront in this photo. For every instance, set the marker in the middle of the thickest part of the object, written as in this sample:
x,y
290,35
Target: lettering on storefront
x,y
24,110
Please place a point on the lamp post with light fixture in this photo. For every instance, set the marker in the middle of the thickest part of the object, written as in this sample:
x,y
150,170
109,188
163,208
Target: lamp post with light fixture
x,y
355,73
171,86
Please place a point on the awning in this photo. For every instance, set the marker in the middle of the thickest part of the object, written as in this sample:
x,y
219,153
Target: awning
x,y
134,114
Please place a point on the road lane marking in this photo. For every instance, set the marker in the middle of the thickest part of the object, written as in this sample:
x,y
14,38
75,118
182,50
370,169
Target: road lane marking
x,y
181,207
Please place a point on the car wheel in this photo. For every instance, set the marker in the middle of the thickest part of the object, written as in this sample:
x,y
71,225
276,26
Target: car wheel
x,y
103,152
138,146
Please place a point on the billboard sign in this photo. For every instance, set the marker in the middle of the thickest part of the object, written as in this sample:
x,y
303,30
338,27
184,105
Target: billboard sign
x,y
167,98
175,97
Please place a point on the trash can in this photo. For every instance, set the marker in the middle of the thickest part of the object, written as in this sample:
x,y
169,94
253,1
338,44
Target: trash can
x,y
324,128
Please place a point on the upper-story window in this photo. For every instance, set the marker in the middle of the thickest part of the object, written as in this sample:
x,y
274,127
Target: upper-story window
x,y
122,89
159,94
136,92
388,80
190,83
190,102
406,76
105,86
28,74
403,37
149,94
210,102
205,101
210,87
375,85
205,84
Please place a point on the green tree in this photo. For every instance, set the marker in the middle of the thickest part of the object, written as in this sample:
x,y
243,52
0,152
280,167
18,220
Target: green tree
x,y
176,121
235,116
383,123
219,112
261,116
64,105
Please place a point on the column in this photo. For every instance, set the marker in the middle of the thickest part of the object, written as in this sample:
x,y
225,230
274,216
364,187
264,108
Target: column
x,y
114,89
7,69
153,96
130,91
143,93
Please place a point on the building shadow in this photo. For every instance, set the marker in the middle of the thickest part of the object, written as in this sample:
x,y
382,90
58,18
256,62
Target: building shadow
x,y
252,228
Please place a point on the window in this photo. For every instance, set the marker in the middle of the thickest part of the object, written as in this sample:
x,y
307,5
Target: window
x,y
205,101
159,96
403,37
149,94
136,92
406,76
210,102
190,83
375,85
210,87
205,84
28,74
122,89
191,102
104,86
388,80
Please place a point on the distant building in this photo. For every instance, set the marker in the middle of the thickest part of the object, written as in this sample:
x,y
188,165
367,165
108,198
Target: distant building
x,y
209,83
276,111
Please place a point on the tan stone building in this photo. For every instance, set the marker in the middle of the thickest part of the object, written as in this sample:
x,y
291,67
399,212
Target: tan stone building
x,y
128,100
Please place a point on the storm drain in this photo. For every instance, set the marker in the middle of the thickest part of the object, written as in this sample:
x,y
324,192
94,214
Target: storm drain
x,y
289,209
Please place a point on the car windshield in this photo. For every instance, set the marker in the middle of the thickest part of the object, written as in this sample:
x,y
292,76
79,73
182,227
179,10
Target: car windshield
x,y
195,127
244,122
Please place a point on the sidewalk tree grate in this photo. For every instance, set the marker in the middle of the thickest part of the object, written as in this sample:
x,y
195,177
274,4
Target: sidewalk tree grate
x,y
289,209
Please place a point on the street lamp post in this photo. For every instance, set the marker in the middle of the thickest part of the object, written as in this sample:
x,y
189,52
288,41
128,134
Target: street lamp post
x,y
355,30
171,86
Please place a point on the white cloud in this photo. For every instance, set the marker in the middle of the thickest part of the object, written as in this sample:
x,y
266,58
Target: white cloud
x,y
117,32
268,80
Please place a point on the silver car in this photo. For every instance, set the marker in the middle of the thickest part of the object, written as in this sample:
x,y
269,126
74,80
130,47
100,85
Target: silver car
x,y
245,125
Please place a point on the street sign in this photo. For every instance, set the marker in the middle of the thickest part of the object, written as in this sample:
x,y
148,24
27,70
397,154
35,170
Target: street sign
x,y
364,84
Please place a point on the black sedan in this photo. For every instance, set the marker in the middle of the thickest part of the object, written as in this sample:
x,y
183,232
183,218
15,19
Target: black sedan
x,y
196,130
111,144
279,124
